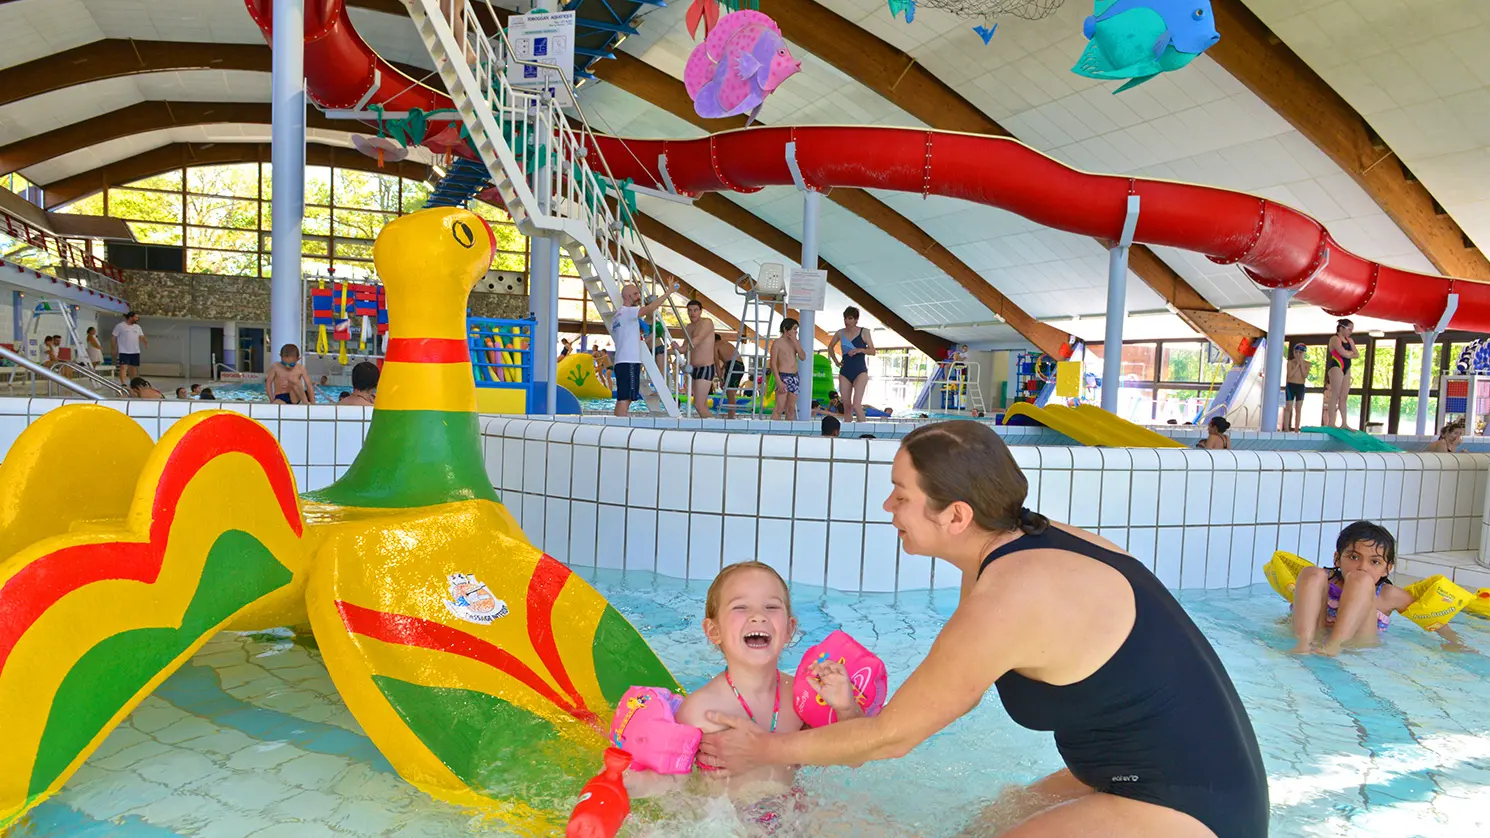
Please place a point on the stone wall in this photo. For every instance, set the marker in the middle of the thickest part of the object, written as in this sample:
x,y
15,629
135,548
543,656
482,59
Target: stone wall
x,y
246,299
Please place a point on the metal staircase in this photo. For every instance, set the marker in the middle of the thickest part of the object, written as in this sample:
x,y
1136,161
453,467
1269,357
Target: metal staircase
x,y
759,313
460,184
541,165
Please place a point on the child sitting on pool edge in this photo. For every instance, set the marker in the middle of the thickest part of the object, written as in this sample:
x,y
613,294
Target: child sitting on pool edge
x,y
1355,598
748,616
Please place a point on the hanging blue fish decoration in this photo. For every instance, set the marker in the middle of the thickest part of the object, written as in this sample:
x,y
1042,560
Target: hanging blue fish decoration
x,y
1139,39
986,32
907,6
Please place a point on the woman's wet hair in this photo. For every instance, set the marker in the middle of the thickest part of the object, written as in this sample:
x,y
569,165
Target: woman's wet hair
x,y
851,311
1343,322
967,461
1220,424
1456,425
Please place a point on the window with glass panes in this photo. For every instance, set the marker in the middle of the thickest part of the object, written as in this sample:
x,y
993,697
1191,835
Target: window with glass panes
x,y
1181,376
222,216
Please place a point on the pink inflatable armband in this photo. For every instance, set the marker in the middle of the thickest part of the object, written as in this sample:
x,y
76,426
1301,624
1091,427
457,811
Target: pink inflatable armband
x,y
865,671
645,727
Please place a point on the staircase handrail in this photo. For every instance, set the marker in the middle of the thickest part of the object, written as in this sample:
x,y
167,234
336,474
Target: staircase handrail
x,y
37,369
592,199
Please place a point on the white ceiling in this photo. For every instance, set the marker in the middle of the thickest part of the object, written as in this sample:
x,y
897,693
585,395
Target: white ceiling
x,y
50,111
1419,72
1197,125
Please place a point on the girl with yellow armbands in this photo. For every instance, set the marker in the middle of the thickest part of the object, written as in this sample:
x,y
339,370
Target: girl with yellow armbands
x,y
1354,599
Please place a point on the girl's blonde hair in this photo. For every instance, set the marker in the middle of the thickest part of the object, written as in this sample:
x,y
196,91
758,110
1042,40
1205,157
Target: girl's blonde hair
x,y
711,601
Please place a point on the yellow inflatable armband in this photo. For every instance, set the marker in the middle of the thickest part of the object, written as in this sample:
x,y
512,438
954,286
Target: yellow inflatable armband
x,y
1436,601
1480,605
1283,570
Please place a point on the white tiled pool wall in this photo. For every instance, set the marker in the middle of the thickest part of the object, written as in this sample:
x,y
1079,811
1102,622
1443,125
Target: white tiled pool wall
x,y
683,502
320,441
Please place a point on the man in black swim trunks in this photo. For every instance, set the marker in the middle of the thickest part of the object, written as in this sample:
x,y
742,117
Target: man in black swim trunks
x,y
701,357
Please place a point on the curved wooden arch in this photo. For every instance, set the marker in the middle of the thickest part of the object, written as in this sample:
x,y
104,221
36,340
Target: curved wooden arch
x,y
1267,67
113,58
758,229
144,117
176,155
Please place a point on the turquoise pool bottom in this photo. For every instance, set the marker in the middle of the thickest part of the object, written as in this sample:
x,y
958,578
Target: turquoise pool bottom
x,y
251,739
254,392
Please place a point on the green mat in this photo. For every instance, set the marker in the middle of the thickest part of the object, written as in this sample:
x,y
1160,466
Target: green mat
x,y
1358,440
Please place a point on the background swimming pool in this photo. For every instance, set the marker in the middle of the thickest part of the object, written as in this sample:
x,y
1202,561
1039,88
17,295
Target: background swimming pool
x,y
254,392
250,737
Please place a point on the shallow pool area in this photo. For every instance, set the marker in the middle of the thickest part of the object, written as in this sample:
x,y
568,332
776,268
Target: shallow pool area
x,y
250,738
250,391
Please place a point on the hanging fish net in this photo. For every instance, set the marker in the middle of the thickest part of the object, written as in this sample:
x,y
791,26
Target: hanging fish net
x,y
1027,9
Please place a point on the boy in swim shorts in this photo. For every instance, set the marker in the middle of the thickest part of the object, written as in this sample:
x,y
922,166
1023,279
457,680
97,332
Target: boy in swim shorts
x,y
286,381
786,352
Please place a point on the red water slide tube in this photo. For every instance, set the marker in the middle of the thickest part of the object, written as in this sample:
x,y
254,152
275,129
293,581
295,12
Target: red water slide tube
x,y
1277,246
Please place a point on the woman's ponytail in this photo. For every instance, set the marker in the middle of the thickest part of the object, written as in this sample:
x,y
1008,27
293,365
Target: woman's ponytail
x,y
1032,522
967,462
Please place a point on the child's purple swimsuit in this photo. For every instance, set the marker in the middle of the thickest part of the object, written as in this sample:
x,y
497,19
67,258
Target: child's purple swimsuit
x,y
1332,603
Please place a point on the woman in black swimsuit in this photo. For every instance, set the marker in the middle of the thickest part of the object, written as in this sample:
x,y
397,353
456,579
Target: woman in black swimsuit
x,y
1154,737
1337,374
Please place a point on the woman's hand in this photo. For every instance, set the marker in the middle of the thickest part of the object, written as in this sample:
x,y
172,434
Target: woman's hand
x,y
830,679
737,749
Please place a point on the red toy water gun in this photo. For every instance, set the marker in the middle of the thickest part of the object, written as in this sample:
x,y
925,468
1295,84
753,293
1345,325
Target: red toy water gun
x,y
604,803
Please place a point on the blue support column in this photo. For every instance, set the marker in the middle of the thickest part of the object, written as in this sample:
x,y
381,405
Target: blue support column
x,y
812,203
1272,373
1117,310
286,300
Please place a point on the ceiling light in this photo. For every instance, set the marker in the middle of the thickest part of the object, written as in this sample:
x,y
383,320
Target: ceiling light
x,y
1377,333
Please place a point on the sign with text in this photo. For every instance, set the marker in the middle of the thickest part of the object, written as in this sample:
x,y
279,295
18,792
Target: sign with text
x,y
807,290
547,39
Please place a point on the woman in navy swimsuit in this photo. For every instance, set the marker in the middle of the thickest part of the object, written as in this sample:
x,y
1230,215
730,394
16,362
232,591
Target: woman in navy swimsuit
x,y
853,369
1154,737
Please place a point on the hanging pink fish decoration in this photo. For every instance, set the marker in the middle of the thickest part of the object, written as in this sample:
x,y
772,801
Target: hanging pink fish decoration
x,y
743,59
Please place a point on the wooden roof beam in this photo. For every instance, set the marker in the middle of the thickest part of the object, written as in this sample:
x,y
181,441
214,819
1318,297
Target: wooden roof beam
x,y
143,117
174,156
692,293
897,77
112,58
1266,66
767,234
706,258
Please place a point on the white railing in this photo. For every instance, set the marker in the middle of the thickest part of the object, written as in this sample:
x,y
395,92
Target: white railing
x,y
544,157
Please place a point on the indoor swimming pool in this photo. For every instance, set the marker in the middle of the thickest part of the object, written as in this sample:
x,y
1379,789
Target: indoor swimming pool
x,y
251,739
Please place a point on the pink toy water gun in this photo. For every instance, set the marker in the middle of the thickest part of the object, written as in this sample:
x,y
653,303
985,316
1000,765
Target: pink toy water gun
x,y
865,671
646,726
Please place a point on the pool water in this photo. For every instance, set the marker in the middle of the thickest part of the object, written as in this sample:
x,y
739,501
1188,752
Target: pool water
x,y
254,392
250,737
